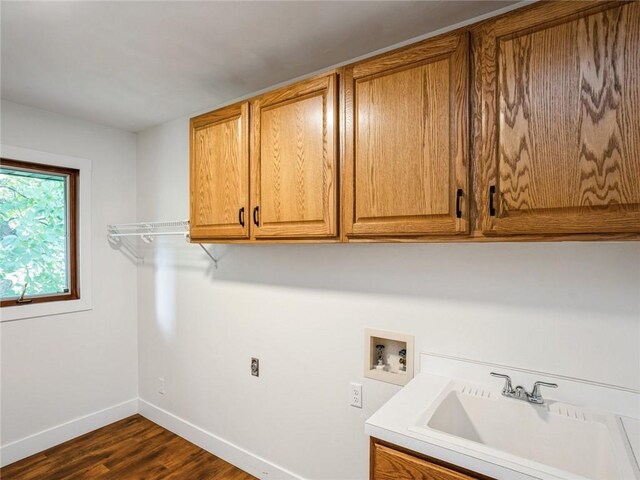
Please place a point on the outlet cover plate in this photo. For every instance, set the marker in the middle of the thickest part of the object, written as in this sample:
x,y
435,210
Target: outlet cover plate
x,y
355,394
161,385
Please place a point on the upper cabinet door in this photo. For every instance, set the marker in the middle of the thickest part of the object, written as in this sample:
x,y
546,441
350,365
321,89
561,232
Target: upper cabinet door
x,y
560,86
219,173
294,161
406,134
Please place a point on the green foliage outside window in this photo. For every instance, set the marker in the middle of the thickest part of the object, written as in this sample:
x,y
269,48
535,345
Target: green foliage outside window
x,y
33,233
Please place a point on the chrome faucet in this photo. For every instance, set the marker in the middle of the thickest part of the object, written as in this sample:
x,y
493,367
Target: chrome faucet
x,y
520,393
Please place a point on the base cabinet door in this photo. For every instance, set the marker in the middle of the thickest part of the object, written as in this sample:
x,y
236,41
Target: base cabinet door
x,y
561,120
219,174
406,152
294,161
390,464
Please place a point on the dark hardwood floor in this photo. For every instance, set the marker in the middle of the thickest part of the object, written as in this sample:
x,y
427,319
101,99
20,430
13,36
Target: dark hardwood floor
x,y
131,449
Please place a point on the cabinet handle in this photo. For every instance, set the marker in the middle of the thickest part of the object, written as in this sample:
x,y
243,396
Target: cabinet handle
x,y
255,216
459,195
241,216
492,208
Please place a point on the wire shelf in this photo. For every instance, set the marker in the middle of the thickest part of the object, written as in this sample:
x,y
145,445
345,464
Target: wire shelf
x,y
147,230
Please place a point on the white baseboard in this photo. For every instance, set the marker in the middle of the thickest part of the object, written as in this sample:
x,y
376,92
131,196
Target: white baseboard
x,y
247,461
14,451
253,464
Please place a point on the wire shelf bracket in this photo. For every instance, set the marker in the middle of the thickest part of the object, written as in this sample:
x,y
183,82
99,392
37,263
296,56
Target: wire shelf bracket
x,y
146,231
213,259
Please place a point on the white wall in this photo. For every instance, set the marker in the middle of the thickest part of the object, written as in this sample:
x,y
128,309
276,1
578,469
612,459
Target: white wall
x,y
57,368
571,309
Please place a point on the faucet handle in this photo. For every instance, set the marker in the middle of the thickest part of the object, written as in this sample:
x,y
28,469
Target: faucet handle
x,y
508,388
535,393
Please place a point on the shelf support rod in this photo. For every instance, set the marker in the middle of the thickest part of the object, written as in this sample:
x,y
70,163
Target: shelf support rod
x,y
215,260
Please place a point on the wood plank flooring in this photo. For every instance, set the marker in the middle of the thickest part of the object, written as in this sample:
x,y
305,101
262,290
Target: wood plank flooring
x,y
131,449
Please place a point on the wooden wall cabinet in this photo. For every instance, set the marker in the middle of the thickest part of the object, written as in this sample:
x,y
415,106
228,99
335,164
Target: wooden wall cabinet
x,y
388,462
294,161
560,120
523,127
219,174
405,141
286,185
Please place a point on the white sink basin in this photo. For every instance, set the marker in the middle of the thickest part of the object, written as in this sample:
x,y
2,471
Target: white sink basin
x,y
559,439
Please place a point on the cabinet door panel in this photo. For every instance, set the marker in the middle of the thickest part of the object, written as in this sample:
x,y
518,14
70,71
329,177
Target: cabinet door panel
x,y
292,141
219,174
395,113
405,155
566,154
295,161
390,464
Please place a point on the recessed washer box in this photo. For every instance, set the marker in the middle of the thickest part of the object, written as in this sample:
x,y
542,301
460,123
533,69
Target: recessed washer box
x,y
388,356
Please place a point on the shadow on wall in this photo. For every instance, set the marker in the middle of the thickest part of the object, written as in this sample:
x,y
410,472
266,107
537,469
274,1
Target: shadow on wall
x,y
582,276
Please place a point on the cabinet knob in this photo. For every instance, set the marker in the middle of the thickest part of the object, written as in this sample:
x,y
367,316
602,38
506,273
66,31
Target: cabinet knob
x,y
256,220
459,195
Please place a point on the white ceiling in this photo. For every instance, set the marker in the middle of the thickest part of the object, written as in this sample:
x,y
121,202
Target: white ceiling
x,y
132,65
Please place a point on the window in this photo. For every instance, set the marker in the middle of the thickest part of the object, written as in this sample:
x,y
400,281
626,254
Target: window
x,y
38,233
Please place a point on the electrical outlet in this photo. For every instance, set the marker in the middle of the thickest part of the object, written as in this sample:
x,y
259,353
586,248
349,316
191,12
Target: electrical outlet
x,y
355,394
255,367
161,385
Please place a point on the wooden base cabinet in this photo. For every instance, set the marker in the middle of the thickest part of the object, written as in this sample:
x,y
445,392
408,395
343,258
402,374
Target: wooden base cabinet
x,y
392,463
560,100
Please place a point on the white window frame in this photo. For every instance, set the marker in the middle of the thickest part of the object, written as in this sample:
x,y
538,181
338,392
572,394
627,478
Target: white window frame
x,y
19,312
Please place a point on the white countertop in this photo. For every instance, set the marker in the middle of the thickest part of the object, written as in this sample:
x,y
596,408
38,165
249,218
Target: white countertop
x,y
391,424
